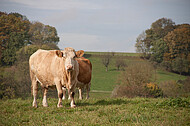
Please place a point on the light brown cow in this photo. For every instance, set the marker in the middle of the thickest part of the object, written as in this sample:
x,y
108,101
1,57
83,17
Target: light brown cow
x,y
84,76
54,68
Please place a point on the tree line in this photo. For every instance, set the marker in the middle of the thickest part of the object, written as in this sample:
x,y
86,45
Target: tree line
x,y
166,44
19,38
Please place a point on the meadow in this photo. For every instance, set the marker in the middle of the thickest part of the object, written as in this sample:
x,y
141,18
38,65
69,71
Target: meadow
x,y
101,109
120,111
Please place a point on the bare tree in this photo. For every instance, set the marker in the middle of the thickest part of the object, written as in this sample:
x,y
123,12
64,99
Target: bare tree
x,y
106,60
120,63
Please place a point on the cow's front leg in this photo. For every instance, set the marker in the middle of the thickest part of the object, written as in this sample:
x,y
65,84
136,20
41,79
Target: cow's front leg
x,y
44,102
64,93
72,100
34,92
60,94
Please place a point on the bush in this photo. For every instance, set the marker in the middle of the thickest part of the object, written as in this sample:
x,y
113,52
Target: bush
x,y
153,90
132,82
170,88
186,85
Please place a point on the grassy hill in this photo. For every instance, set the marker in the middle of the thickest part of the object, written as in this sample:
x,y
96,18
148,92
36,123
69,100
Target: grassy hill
x,y
106,81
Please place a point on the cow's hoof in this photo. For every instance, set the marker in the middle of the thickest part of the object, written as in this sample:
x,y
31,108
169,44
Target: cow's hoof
x,y
46,105
59,106
80,98
34,105
73,106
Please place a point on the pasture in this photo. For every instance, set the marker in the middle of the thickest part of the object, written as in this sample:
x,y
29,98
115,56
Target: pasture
x,y
121,111
100,109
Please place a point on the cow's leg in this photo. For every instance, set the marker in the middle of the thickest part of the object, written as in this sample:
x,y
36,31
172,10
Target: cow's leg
x,y
64,93
72,100
69,94
34,92
44,102
80,93
60,94
87,90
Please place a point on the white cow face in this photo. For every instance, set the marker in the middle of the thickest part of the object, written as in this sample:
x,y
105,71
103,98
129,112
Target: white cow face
x,y
69,56
69,60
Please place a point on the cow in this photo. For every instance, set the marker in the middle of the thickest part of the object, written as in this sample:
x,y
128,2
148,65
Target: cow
x,y
84,76
54,68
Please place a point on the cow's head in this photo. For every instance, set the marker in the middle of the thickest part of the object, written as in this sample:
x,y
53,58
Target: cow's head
x,y
69,55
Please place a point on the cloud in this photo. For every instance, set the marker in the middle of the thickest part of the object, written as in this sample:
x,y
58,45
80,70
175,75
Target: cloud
x,y
78,41
58,4
61,17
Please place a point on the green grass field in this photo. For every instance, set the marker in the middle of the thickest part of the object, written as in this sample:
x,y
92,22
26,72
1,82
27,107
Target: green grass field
x,y
122,111
105,81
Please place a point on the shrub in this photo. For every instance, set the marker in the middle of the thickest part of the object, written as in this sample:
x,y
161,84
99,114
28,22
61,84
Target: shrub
x,y
132,82
153,90
170,88
186,85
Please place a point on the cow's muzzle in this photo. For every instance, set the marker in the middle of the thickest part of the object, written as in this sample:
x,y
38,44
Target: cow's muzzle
x,y
69,67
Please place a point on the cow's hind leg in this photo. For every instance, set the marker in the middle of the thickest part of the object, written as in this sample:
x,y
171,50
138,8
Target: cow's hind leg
x,y
44,102
80,93
87,90
34,92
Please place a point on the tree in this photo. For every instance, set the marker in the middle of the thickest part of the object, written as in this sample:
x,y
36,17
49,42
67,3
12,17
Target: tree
x,y
155,36
42,34
120,63
106,60
158,49
13,35
178,42
141,46
180,65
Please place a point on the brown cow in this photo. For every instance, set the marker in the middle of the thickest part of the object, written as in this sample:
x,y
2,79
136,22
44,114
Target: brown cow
x,y
54,68
84,76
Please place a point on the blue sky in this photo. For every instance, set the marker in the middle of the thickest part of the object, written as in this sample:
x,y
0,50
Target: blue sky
x,y
99,25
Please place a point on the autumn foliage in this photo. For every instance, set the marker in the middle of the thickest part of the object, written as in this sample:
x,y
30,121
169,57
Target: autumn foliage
x,y
167,44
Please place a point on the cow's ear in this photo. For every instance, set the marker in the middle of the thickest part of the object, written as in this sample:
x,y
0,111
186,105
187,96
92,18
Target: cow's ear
x,y
79,53
59,53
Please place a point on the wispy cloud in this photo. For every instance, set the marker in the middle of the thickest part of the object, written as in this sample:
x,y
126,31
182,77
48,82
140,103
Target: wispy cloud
x,y
78,41
58,4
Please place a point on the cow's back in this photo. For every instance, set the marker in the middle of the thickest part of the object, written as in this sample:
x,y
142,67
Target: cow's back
x,y
85,70
44,65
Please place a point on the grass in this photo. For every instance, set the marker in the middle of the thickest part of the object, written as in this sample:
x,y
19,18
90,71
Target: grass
x,y
166,76
121,111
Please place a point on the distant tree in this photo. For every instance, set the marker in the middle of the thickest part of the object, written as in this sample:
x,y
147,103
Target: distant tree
x,y
155,35
120,63
180,65
42,34
141,46
178,42
106,60
113,53
158,49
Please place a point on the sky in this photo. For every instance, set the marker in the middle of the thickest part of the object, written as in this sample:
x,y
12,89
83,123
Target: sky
x,y
99,25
